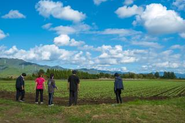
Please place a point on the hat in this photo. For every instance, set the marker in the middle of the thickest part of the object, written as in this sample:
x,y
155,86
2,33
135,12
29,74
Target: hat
x,y
23,74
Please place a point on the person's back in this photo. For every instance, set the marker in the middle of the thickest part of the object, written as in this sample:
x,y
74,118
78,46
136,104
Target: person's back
x,y
74,81
73,86
118,83
51,85
18,82
40,82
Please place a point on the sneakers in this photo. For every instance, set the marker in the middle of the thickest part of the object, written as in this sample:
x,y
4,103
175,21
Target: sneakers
x,y
36,102
51,105
21,100
41,103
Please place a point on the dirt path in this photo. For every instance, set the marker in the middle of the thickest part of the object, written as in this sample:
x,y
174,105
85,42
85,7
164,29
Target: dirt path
x,y
30,98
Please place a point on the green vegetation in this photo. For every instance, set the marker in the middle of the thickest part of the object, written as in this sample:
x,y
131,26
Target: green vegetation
x,y
144,101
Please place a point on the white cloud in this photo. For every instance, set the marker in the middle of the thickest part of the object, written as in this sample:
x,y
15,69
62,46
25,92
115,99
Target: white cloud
x,y
128,2
98,2
124,12
180,4
47,26
14,14
49,8
158,20
64,30
182,35
146,44
62,40
176,47
121,32
73,29
75,43
2,35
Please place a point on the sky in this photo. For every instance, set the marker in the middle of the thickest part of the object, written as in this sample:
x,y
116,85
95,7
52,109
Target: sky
x,y
138,36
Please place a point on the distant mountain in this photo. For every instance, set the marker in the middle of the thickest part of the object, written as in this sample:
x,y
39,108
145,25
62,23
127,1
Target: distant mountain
x,y
14,67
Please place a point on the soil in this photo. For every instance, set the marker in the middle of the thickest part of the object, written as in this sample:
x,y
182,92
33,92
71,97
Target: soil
x,y
30,98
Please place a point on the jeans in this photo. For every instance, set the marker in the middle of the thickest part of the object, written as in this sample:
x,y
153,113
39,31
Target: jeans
x,y
50,101
73,95
19,92
37,95
118,95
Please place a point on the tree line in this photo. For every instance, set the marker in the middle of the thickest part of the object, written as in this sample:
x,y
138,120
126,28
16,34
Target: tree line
x,y
64,74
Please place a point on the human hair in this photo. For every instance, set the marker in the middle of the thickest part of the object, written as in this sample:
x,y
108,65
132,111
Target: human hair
x,y
39,74
51,76
74,72
116,75
23,74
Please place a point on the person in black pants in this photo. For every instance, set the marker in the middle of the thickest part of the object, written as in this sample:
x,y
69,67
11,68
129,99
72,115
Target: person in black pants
x,y
20,87
118,86
73,87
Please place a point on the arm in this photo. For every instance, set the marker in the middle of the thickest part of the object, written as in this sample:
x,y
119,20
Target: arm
x,y
21,82
35,85
68,85
78,86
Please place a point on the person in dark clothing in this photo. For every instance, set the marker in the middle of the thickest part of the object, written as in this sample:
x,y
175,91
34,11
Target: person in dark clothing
x,y
20,87
73,87
118,86
51,87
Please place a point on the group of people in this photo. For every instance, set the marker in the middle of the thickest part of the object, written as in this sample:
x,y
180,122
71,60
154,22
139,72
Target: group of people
x,y
73,87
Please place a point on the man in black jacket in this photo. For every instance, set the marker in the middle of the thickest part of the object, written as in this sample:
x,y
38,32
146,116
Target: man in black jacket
x,y
73,87
20,87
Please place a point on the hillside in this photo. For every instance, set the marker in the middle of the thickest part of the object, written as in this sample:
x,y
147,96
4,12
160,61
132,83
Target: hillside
x,y
14,67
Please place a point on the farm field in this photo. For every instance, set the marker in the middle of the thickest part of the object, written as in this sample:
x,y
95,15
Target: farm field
x,y
144,101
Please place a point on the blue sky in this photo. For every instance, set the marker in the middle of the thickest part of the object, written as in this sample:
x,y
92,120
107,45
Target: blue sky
x,y
116,35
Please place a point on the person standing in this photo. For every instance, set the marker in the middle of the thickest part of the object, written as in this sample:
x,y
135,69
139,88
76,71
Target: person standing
x,y
39,86
73,87
20,90
118,86
51,87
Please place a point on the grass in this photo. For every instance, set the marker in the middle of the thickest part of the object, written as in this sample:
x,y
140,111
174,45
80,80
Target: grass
x,y
170,110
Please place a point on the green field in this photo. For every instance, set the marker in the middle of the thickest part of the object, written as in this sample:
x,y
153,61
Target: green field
x,y
144,101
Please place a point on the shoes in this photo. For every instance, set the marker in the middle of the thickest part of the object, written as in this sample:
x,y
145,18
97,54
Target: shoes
x,y
21,100
41,103
36,102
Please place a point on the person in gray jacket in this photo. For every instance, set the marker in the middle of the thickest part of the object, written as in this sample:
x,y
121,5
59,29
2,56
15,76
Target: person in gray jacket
x,y
118,86
51,87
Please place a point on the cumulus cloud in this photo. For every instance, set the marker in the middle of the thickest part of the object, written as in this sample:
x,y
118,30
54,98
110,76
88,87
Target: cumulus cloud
x,y
14,14
2,34
180,4
98,2
158,20
128,2
49,8
64,40
124,12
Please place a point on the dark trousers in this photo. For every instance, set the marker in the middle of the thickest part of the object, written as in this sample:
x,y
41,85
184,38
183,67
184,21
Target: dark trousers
x,y
73,95
118,95
19,92
37,95
50,101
